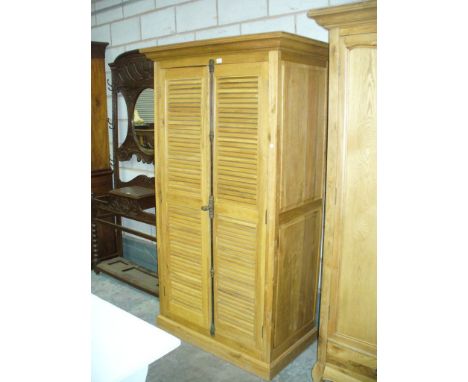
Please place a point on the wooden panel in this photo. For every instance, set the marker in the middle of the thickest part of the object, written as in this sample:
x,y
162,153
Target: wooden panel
x,y
240,97
357,284
348,327
99,135
303,132
184,189
301,178
237,138
298,259
184,118
236,279
361,366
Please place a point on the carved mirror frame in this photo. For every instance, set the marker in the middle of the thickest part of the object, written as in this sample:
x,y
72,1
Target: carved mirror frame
x,y
132,73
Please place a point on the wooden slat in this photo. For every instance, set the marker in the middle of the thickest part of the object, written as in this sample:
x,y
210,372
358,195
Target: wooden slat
x,y
234,140
184,190
238,179
235,286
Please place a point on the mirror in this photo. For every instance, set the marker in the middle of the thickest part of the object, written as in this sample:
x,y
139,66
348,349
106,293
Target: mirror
x,y
143,121
122,118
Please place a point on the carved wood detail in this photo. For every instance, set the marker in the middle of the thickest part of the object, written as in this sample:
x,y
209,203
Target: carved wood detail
x,y
131,74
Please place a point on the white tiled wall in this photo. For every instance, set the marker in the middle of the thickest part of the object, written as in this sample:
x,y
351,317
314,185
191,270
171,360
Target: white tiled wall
x,y
134,24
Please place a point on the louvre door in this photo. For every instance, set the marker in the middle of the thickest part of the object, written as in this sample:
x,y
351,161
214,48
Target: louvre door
x,y
184,170
240,93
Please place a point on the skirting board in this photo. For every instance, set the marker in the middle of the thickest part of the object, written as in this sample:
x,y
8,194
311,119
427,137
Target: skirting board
x,y
253,365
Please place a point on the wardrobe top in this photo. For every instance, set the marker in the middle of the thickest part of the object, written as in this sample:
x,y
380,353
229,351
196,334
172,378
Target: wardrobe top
x,y
345,15
238,44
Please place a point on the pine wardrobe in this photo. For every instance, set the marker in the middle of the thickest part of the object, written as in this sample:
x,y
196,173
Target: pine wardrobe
x,y
240,142
347,346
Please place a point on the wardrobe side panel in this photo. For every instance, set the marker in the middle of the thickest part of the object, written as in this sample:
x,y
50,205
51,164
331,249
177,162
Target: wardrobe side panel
x,y
348,343
301,162
351,247
357,285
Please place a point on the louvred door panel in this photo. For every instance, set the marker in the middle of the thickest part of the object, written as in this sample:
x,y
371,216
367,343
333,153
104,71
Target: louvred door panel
x,y
240,92
185,188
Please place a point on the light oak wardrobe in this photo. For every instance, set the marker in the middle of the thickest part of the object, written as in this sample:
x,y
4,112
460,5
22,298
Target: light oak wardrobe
x,y
348,320
240,144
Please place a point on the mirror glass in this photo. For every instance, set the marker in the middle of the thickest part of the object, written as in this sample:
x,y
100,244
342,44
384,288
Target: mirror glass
x,y
122,117
143,121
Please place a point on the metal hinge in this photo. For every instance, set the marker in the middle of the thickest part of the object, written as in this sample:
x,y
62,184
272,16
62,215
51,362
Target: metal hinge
x,y
212,273
209,207
211,65
266,216
262,331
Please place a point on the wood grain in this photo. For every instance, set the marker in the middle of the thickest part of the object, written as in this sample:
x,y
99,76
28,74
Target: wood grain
x,y
240,96
99,131
184,189
268,178
348,327
301,181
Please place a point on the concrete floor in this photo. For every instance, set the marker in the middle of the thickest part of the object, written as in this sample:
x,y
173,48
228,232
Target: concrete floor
x,y
187,362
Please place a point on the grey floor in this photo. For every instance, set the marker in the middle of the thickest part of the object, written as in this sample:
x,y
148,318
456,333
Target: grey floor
x,y
187,362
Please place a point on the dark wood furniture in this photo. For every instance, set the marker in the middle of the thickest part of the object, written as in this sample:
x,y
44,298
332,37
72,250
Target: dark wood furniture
x,y
132,76
101,172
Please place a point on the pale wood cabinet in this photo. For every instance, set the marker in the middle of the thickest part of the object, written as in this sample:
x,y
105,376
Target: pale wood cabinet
x,y
240,159
348,327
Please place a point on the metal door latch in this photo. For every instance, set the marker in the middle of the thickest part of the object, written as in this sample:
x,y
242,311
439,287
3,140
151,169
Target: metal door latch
x,y
209,207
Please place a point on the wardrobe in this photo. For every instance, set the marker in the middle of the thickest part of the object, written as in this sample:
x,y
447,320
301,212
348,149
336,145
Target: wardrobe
x,y
347,348
240,146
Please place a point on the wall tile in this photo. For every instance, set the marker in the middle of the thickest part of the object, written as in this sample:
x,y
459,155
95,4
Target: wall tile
x,y
309,28
340,2
159,23
197,15
112,53
231,30
101,33
125,31
177,38
241,10
278,7
93,20
128,172
109,111
105,4
280,24
138,226
141,6
165,3
141,44
109,15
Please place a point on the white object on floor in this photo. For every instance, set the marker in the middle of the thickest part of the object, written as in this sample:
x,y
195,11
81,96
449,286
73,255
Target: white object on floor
x,y
122,345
